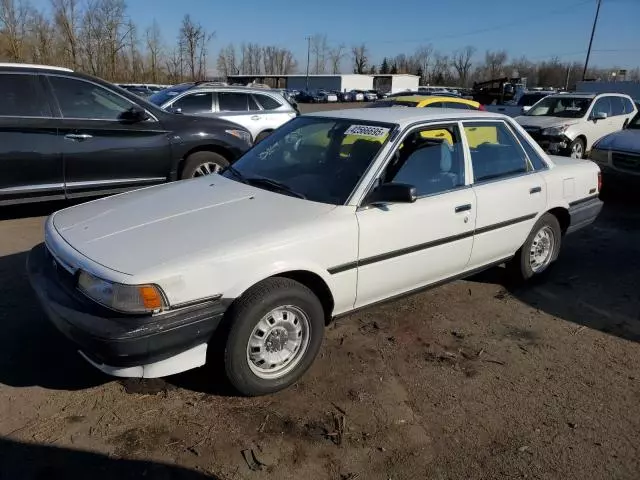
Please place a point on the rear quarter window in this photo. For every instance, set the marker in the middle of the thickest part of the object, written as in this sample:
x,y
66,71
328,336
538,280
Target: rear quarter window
x,y
267,102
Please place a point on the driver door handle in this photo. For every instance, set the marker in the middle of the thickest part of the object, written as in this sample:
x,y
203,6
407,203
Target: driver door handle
x,y
255,117
535,190
78,136
463,208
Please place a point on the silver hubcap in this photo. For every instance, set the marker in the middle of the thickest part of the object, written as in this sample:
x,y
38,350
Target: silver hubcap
x,y
576,151
278,342
206,169
542,249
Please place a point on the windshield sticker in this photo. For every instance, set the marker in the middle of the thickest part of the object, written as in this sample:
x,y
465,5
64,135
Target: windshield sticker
x,y
268,151
367,131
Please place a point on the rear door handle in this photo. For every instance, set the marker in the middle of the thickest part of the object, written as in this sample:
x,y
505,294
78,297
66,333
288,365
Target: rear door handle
x,y
535,190
78,136
255,117
463,208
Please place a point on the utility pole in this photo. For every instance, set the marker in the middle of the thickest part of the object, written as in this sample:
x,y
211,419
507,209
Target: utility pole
x,y
593,31
566,82
308,58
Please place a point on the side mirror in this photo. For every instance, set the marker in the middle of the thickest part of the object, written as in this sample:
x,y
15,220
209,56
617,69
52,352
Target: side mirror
x,y
599,116
526,109
176,110
134,114
393,193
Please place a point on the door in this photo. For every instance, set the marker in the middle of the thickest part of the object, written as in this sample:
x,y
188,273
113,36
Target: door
x,y
30,151
618,114
103,153
510,194
241,108
595,128
193,103
403,247
275,114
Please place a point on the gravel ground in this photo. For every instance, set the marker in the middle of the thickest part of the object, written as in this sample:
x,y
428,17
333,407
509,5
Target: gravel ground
x,y
473,380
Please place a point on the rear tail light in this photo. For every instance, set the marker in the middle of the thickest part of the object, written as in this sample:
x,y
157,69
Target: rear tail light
x,y
599,181
481,107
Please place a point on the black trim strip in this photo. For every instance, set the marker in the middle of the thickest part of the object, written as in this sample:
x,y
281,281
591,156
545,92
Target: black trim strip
x,y
508,223
582,200
423,246
439,283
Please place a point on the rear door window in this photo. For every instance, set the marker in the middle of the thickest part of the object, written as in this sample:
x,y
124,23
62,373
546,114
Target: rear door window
x,y
617,106
233,102
22,97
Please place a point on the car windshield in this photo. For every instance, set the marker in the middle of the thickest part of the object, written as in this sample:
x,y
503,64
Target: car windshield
x,y
163,96
393,103
529,99
564,106
319,159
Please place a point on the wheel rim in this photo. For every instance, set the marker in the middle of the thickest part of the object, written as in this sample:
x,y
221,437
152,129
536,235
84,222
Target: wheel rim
x,y
576,150
207,168
278,342
541,251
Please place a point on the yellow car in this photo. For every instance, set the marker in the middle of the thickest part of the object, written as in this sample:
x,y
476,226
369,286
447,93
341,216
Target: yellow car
x,y
475,135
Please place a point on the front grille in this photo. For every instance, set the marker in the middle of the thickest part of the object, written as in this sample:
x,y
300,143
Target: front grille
x,y
626,161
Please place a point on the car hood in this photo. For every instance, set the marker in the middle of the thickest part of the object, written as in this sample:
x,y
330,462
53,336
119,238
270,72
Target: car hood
x,y
625,140
544,122
134,232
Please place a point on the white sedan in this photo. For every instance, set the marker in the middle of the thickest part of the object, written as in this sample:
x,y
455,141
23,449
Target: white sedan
x,y
331,213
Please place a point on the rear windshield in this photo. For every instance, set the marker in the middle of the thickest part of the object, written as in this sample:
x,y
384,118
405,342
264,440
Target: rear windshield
x,y
163,96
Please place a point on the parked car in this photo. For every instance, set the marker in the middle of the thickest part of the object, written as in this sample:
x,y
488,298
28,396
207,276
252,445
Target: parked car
x,y
258,110
618,154
353,96
369,95
69,135
326,96
141,91
305,96
523,105
421,101
303,228
569,124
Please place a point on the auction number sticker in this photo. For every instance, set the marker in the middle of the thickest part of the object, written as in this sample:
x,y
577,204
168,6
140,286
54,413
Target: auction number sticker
x,y
367,131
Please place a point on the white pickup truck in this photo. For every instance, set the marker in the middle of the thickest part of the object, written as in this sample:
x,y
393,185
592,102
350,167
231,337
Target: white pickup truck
x,y
333,212
522,105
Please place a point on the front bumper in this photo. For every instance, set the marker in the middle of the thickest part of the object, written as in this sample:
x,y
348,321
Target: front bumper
x,y
119,344
584,212
555,145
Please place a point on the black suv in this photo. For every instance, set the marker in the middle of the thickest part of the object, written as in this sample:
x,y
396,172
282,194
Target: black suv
x,y
66,135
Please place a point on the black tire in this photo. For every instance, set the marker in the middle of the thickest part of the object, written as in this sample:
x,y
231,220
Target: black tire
x,y
574,144
519,267
244,316
262,135
194,162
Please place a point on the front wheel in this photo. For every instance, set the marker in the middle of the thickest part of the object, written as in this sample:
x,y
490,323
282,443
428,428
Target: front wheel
x,y
540,249
276,330
199,164
576,149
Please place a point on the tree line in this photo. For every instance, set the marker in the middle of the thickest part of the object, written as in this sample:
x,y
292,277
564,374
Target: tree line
x,y
98,37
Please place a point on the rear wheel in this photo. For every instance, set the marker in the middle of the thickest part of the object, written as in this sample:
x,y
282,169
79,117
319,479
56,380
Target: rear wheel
x,y
276,330
539,251
199,164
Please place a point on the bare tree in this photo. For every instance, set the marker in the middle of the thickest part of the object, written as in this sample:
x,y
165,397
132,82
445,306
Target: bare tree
x,y
423,55
461,62
336,55
227,63
190,37
66,18
42,38
441,72
14,19
319,50
153,40
495,63
360,58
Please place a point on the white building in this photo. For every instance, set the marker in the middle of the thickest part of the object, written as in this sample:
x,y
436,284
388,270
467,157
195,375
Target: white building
x,y
337,82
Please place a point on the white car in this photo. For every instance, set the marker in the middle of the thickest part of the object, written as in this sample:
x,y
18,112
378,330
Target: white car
x,y
333,212
570,123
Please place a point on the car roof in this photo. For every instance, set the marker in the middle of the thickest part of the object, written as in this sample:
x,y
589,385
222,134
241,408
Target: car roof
x,y
405,116
34,66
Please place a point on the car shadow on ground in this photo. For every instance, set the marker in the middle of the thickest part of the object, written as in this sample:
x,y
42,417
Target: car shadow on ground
x,y
40,209
595,281
38,462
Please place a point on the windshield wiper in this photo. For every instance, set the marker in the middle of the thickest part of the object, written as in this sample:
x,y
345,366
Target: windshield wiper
x,y
267,182
236,173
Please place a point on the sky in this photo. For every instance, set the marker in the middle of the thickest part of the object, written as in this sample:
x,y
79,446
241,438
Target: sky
x,y
539,29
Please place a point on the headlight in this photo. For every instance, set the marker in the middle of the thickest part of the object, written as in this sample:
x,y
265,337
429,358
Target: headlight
x,y
555,131
241,134
119,297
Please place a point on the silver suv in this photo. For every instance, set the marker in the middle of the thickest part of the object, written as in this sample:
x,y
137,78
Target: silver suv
x,y
259,110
